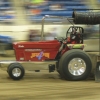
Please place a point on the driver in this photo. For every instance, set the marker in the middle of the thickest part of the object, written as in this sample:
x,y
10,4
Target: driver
x,y
73,35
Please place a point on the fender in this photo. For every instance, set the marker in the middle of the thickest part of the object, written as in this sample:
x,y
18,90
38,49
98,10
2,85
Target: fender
x,y
76,46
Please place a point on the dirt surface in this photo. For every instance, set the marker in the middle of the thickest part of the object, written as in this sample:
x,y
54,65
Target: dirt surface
x,y
46,86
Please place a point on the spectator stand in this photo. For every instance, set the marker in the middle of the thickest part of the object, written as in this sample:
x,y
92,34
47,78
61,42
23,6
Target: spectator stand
x,y
6,11
36,9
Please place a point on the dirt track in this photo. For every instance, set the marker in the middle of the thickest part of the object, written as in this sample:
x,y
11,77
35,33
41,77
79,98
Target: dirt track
x,y
46,86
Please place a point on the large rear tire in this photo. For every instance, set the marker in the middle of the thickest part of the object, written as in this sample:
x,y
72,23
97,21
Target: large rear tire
x,y
75,65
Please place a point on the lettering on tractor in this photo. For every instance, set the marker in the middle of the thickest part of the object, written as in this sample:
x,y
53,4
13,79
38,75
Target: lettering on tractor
x,y
33,50
40,55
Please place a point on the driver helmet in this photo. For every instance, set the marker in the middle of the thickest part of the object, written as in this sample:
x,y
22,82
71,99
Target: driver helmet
x,y
73,30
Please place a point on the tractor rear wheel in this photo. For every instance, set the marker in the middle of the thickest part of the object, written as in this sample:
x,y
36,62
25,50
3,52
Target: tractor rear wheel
x,y
75,65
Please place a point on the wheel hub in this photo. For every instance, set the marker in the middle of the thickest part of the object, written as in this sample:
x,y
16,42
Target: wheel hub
x,y
16,72
77,66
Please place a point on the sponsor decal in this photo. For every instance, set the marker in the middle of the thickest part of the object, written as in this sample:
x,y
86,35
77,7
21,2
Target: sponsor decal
x,y
20,46
76,46
33,50
21,58
40,55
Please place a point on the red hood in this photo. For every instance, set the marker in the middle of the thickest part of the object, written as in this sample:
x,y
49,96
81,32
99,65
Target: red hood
x,y
37,44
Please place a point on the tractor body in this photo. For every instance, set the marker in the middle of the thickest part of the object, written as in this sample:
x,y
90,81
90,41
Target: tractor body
x,y
64,55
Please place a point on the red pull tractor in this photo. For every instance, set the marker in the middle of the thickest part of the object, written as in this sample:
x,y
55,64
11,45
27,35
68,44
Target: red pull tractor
x,y
64,55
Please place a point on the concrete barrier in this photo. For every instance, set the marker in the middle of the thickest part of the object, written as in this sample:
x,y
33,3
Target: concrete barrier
x,y
92,45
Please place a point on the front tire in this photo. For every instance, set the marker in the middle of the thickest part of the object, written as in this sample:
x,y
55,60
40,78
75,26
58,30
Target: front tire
x,y
75,65
16,71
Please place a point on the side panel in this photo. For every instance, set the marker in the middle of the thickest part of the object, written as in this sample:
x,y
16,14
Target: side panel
x,y
35,54
33,51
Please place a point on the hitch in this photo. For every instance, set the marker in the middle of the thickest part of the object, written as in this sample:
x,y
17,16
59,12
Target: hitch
x,y
97,72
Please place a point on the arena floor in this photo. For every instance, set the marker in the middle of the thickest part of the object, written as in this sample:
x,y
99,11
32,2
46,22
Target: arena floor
x,y
46,86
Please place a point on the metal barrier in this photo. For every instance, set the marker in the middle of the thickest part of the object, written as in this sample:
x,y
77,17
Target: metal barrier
x,y
4,47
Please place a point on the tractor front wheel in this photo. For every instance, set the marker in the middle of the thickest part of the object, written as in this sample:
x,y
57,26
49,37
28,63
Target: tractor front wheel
x,y
16,71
